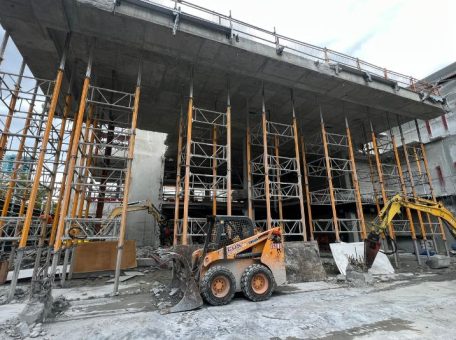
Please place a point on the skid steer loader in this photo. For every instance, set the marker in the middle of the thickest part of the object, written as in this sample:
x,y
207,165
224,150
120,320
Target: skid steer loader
x,y
235,258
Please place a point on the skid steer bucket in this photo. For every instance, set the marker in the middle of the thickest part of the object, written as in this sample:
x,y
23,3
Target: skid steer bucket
x,y
183,280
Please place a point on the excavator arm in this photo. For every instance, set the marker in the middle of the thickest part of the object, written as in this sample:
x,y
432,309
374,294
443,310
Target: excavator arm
x,y
76,232
394,205
139,206
393,208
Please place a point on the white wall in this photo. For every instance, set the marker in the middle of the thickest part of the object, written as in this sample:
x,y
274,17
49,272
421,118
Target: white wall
x,y
147,170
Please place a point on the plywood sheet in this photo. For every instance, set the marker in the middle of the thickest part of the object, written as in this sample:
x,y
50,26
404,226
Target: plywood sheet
x,y
100,256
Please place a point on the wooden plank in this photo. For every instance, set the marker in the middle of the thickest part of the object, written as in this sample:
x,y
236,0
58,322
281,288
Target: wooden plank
x,y
99,256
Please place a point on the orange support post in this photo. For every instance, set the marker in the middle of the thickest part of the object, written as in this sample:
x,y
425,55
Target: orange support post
x,y
306,184
277,174
228,154
380,176
84,199
214,170
359,206
298,168
78,196
249,171
71,164
178,178
131,149
187,165
3,46
330,180
47,209
404,192
266,164
39,168
431,187
11,110
17,163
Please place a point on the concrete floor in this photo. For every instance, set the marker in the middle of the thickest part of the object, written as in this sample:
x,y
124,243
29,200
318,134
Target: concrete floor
x,y
401,306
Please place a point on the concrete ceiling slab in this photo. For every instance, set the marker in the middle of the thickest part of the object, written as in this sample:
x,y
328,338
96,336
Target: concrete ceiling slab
x,y
124,34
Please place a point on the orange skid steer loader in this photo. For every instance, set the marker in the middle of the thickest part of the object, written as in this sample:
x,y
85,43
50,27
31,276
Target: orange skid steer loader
x,y
235,258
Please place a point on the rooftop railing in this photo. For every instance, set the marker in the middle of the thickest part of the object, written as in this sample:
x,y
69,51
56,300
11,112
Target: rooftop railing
x,y
236,29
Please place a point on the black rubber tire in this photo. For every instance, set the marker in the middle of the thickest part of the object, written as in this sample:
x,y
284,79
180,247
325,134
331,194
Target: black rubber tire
x,y
246,282
206,283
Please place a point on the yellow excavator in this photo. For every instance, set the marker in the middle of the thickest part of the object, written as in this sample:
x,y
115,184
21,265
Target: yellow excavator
x,y
236,257
392,208
139,206
77,233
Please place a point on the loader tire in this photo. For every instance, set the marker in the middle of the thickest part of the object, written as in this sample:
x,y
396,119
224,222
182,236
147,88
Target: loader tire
x,y
218,286
257,282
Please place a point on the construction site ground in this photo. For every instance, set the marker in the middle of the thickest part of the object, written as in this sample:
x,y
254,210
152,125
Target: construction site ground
x,y
417,302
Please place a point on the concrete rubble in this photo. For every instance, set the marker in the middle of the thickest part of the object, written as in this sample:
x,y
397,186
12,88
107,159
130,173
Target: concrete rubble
x,y
86,308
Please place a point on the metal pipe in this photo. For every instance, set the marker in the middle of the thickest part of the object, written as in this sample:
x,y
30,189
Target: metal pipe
x,y
39,168
40,124
329,177
306,184
3,46
431,187
17,163
371,170
266,163
178,177
71,164
277,175
84,198
65,266
214,170
82,164
228,153
187,164
428,216
404,192
380,176
55,223
298,169
131,149
410,173
47,209
11,110
359,206
249,170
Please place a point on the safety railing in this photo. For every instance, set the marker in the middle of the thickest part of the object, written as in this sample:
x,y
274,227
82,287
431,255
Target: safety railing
x,y
183,9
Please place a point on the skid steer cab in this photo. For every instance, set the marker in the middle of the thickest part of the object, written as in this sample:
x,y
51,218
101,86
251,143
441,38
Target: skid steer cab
x,y
238,258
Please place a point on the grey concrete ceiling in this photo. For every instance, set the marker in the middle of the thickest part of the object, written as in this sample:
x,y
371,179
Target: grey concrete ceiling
x,y
124,33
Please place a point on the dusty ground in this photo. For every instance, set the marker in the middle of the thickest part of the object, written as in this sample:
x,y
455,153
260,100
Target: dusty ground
x,y
403,306
410,305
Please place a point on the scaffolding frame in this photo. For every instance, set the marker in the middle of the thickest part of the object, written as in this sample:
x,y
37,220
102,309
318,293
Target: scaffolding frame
x,y
97,172
205,161
274,173
395,166
329,158
47,145
418,185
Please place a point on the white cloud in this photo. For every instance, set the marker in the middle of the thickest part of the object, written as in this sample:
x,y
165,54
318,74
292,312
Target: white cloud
x,y
410,37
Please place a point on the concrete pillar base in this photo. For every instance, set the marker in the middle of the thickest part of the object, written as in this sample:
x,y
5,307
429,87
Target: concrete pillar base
x,y
303,263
